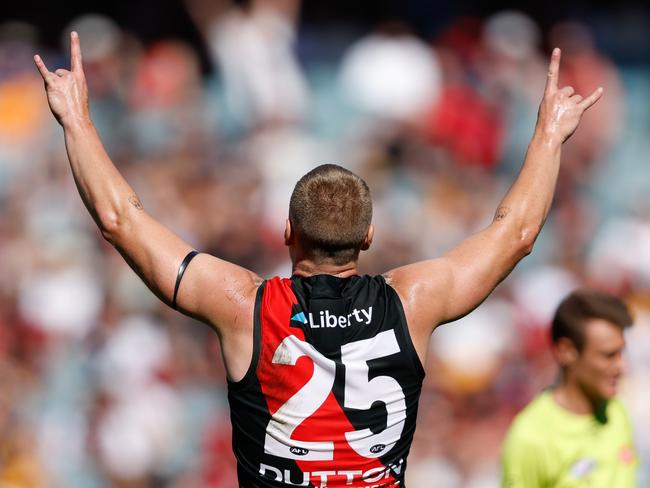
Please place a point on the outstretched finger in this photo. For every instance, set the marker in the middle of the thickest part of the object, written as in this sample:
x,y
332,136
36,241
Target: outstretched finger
x,y
553,69
75,53
591,99
45,73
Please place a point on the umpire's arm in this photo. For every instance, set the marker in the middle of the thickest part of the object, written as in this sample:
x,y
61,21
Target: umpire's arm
x,y
212,290
444,289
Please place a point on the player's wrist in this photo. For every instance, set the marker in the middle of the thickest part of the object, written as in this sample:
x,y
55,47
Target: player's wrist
x,y
547,136
77,123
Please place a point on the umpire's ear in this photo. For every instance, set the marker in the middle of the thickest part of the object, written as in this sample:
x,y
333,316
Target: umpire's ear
x,y
368,239
565,352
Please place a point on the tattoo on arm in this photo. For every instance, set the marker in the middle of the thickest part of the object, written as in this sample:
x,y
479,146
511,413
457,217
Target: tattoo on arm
x,y
501,213
135,201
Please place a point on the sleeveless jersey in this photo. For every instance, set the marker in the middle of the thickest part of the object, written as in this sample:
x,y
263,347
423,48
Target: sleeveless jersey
x,y
331,395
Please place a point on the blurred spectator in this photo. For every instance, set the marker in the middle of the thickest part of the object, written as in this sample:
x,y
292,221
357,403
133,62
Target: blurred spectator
x,y
462,120
22,108
512,74
619,259
253,48
391,74
110,61
512,63
19,465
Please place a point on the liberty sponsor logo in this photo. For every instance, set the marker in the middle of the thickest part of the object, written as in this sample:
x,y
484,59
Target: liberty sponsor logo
x,y
325,319
300,317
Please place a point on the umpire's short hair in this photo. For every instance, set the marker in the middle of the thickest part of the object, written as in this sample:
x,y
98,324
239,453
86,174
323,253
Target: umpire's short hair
x,y
330,212
583,305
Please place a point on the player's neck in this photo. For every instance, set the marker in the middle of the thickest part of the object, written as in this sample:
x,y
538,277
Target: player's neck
x,y
307,267
571,397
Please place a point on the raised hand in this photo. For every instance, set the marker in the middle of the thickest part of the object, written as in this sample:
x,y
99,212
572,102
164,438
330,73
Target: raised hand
x,y
561,108
67,92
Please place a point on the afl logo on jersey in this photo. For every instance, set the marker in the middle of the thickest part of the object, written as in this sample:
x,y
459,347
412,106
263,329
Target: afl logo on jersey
x,y
377,448
299,451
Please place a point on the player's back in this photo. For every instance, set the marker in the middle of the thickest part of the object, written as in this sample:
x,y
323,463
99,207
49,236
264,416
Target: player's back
x,y
331,396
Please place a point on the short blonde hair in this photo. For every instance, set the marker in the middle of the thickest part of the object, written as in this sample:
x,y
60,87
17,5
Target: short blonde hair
x,y
330,212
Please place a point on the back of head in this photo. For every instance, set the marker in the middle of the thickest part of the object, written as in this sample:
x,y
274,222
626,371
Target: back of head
x,y
583,305
330,213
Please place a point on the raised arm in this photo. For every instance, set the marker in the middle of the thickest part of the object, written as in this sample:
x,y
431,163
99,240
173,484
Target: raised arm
x,y
212,290
440,290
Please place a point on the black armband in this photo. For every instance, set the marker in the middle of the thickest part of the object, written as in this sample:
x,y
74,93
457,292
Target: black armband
x,y
181,272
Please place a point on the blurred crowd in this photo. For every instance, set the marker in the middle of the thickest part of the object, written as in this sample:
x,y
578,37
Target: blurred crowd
x,y
102,385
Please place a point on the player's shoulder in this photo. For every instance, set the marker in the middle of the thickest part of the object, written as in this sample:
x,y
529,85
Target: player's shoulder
x,y
417,283
428,273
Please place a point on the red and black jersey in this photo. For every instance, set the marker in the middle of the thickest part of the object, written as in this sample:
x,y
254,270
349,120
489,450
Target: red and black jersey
x,y
331,396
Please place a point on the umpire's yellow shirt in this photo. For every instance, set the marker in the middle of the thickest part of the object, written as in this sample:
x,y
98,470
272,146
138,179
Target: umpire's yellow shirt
x,y
548,446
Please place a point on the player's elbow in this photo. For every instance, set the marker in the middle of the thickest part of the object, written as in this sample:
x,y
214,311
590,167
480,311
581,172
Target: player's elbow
x,y
526,240
111,225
